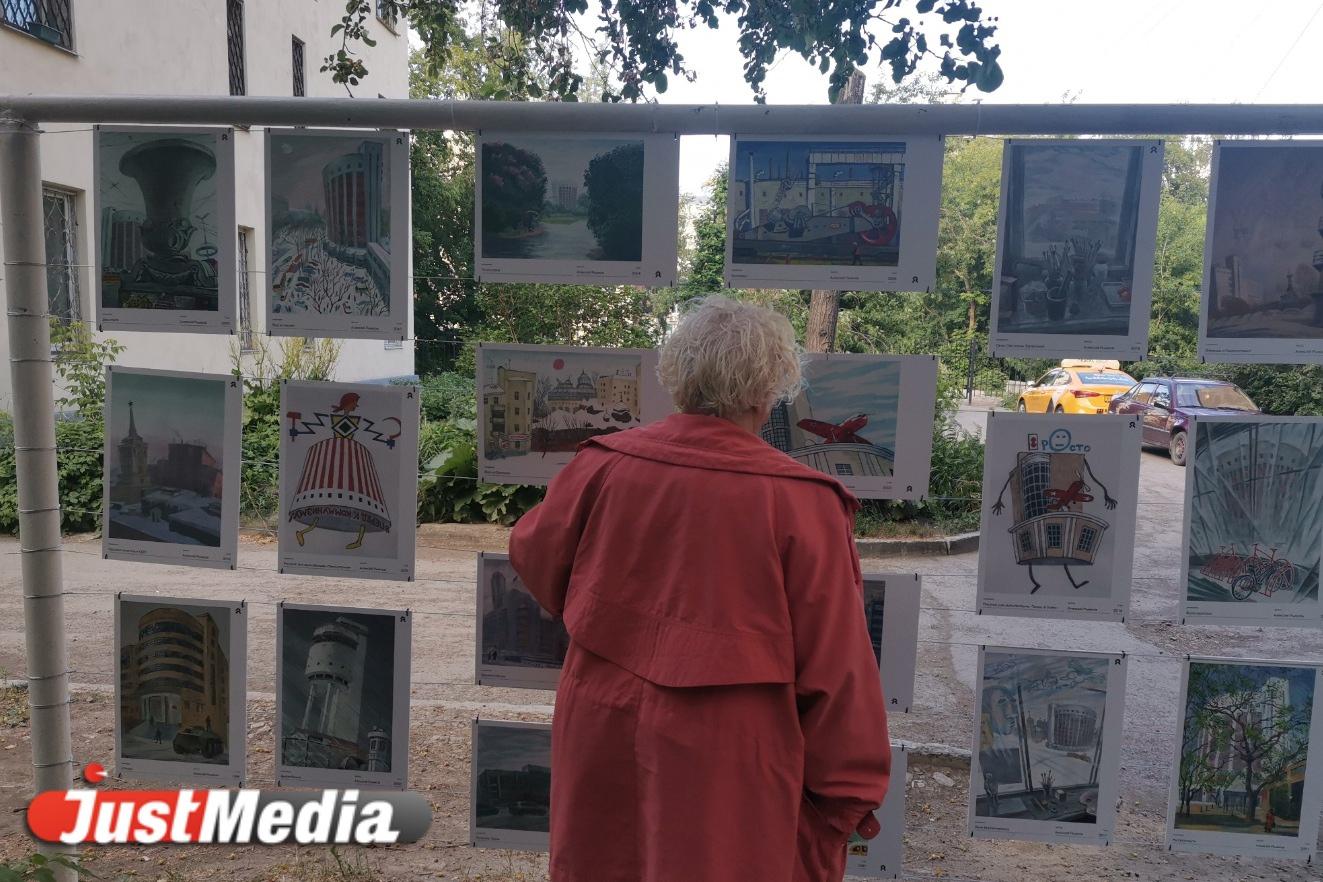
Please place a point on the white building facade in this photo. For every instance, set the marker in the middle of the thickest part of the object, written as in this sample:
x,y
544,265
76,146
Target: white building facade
x,y
183,47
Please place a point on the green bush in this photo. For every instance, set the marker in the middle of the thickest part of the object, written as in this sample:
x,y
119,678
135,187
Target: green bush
x,y
79,463
448,486
448,395
955,486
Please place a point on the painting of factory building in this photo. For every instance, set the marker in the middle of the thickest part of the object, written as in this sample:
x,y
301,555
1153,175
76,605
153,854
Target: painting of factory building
x,y
164,239
519,644
1046,743
1253,520
170,438
343,698
337,235
1263,272
511,796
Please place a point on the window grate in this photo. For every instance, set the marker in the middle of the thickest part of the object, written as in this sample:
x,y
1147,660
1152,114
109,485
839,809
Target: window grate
x,y
245,296
49,20
61,255
296,56
234,39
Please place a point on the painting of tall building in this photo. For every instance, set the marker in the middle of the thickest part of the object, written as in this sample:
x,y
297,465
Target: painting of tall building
x,y
511,783
515,630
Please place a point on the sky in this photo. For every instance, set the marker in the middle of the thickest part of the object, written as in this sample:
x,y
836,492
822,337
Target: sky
x,y
840,388
297,162
511,747
166,409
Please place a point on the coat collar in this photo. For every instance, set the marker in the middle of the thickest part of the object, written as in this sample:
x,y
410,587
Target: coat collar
x,y
709,442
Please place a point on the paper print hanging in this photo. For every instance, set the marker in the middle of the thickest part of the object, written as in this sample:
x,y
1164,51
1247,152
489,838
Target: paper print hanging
x,y
848,422
891,608
844,213
338,241
1058,520
597,209
171,487
180,689
349,479
1047,745
1245,779
1076,235
1263,256
881,856
1253,524
538,403
342,696
510,802
163,229
519,644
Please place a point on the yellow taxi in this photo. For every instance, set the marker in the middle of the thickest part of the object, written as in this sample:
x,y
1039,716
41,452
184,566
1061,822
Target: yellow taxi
x,y
1077,386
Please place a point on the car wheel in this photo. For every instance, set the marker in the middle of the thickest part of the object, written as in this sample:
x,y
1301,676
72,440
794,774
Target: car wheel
x,y
1021,408
1178,442
1059,409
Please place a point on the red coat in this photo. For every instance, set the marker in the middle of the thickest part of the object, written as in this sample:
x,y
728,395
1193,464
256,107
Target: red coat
x,y
719,716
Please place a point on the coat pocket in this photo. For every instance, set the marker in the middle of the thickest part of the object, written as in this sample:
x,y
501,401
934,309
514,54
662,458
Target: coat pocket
x,y
820,851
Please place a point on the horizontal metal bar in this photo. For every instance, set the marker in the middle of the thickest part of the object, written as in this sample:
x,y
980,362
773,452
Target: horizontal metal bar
x,y
686,119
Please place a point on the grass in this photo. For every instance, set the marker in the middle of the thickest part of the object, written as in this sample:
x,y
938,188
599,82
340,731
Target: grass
x,y
13,703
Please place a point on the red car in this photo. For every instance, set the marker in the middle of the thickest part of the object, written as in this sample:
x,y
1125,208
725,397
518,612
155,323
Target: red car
x,y
1166,404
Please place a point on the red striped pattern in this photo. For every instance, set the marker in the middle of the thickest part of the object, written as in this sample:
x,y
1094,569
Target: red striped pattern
x,y
341,465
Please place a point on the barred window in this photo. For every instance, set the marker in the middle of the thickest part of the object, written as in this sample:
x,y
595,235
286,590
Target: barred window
x,y
235,44
48,20
296,58
245,294
61,225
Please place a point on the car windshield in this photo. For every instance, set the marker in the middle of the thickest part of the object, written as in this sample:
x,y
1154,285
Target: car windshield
x,y
1104,379
1219,397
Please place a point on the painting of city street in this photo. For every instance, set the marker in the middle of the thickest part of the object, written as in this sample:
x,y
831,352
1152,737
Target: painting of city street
x,y
853,211
1263,273
1046,741
538,403
1243,772
164,241
180,688
1077,232
847,423
337,233
511,784
1253,521
519,644
171,463
343,701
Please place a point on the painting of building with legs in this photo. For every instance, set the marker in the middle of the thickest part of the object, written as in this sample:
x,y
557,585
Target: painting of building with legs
x,y
511,797
519,643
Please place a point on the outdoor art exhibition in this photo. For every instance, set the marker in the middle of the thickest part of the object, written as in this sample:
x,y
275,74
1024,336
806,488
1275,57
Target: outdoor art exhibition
x,y
664,442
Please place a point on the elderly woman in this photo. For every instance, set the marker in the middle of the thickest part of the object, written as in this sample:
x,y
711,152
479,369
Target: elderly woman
x,y
719,716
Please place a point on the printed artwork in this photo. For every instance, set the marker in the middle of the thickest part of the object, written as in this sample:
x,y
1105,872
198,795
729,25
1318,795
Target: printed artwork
x,y
891,608
349,479
343,699
180,689
1076,236
1046,745
538,403
1242,785
1058,517
838,213
881,856
519,644
337,234
1253,513
511,796
1263,260
164,245
577,208
171,492
847,422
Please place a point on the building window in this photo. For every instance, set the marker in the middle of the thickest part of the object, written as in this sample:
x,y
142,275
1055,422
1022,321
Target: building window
x,y
1088,536
296,57
1026,542
843,468
234,40
388,15
48,20
245,293
1053,535
61,225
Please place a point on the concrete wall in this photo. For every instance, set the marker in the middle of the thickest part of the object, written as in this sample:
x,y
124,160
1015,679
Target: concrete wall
x,y
180,47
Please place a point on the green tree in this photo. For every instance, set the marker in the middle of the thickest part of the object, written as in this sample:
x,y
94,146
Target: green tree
x,y
614,181
514,185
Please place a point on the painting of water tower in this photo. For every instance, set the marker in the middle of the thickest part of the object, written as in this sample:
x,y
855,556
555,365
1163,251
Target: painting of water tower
x,y
1263,272
1076,235
164,238
343,695
337,233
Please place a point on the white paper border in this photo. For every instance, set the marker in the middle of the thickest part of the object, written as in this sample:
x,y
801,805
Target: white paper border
x,y
232,773
395,324
1248,844
506,675
291,559
900,636
661,195
196,321
1115,436
1212,612
654,404
886,851
916,268
398,776
1098,833
492,837
1126,347
145,551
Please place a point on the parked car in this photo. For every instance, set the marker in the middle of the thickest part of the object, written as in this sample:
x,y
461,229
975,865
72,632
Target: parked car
x,y
1166,404
1077,386
196,739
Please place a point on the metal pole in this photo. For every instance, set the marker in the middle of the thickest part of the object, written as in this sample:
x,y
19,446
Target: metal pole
x,y
34,453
